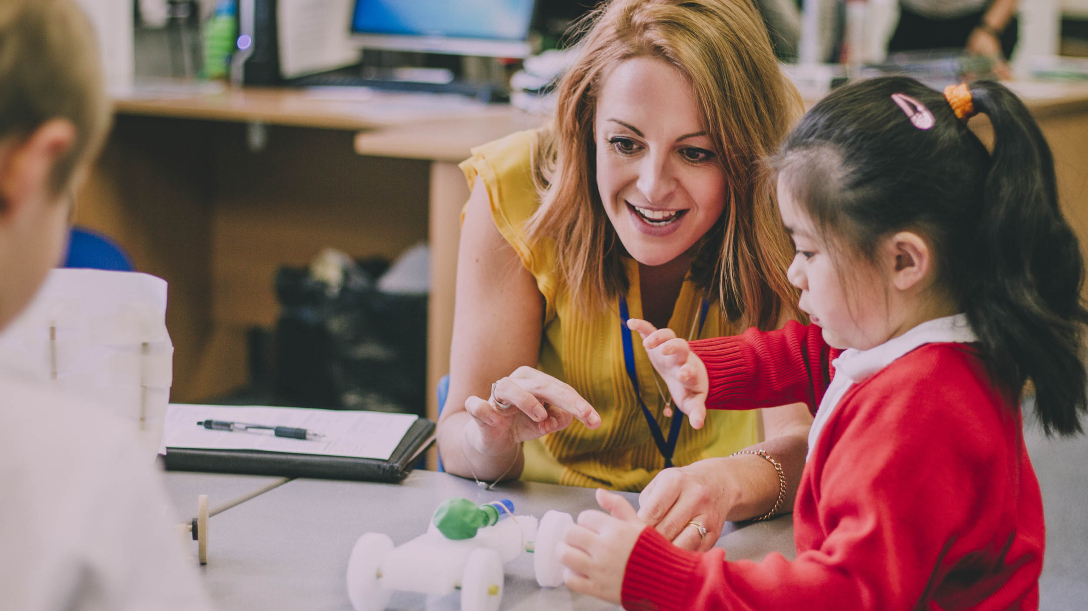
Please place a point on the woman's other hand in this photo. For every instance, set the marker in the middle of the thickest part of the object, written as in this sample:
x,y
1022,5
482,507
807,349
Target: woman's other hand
x,y
724,489
525,405
683,372
695,493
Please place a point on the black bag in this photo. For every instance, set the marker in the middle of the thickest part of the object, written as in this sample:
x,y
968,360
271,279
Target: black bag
x,y
343,344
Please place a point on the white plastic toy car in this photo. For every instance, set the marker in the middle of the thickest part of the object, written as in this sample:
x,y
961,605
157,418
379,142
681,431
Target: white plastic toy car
x,y
435,564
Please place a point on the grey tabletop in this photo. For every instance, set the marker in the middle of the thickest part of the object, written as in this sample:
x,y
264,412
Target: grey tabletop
x,y
183,490
288,548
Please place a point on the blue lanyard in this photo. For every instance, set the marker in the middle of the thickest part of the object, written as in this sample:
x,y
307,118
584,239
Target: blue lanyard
x,y
666,447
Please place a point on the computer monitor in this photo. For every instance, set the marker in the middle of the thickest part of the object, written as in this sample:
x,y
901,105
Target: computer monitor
x,y
490,28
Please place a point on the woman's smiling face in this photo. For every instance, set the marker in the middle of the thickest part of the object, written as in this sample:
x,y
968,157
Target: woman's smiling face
x,y
659,179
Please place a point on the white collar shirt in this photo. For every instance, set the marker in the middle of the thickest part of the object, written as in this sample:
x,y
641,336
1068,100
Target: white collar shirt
x,y
856,366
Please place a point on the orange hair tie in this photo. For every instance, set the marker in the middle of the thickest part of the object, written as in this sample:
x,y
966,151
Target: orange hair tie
x,y
959,98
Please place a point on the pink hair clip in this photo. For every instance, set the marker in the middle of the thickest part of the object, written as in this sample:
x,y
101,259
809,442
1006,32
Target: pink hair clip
x,y
919,115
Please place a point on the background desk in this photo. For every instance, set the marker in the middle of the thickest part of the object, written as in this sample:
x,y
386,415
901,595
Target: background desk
x,y
179,188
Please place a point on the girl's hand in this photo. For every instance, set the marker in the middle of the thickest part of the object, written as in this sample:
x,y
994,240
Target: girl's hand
x,y
596,549
683,372
698,492
525,405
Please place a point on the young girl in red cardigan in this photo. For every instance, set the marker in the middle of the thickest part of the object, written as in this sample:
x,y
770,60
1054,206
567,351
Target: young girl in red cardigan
x,y
939,280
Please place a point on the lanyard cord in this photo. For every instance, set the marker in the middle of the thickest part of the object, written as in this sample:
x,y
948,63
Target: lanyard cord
x,y
666,447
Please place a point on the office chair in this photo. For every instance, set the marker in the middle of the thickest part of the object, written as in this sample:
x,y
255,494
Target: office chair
x,y
90,250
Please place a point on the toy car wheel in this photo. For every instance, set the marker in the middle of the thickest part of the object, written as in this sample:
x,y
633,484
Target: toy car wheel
x,y
364,572
553,527
202,528
482,581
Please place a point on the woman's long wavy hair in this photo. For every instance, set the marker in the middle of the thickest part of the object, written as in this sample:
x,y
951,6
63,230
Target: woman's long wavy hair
x,y
747,105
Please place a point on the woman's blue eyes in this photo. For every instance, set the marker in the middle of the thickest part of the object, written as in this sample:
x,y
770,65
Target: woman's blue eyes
x,y
691,154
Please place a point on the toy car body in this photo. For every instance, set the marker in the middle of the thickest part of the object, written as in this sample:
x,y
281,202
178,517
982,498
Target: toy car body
x,y
433,564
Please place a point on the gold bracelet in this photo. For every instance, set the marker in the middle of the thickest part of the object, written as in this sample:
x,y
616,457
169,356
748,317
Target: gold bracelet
x,y
781,482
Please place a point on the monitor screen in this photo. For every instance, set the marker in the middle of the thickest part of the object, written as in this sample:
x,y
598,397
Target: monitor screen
x,y
471,27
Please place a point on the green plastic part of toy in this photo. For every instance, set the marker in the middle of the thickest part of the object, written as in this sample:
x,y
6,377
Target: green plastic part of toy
x,y
459,519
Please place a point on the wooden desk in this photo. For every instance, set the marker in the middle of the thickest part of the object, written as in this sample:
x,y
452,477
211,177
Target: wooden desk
x,y
180,189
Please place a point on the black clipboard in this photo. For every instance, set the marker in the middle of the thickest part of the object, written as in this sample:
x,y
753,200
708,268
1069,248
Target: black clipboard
x,y
284,464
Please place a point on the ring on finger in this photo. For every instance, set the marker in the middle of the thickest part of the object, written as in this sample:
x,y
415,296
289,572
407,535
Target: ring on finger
x,y
699,527
497,402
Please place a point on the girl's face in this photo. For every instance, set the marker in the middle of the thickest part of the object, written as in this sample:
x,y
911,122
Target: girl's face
x,y
853,312
659,179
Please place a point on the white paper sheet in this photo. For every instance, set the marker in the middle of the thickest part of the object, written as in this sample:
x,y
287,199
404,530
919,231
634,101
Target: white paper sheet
x,y
347,433
313,36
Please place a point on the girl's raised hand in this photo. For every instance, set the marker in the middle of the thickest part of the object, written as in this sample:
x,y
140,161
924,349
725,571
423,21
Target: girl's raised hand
x,y
683,372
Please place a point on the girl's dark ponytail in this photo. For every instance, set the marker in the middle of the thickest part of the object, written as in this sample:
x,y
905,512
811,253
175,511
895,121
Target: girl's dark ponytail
x,y
1025,271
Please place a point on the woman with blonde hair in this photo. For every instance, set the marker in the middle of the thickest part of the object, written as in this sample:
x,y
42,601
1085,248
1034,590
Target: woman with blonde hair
x,y
645,198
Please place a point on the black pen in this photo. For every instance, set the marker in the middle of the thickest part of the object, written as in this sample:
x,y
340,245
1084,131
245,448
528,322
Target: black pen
x,y
242,427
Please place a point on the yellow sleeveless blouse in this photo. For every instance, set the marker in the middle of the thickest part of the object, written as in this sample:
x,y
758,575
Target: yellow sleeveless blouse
x,y
588,354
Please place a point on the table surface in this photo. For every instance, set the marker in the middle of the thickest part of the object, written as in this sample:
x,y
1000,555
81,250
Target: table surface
x,y
183,490
288,548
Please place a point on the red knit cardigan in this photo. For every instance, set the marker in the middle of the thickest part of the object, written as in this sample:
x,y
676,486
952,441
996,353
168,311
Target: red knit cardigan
x,y
919,493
